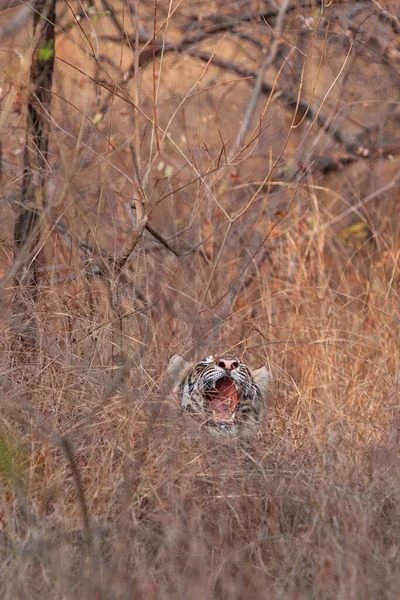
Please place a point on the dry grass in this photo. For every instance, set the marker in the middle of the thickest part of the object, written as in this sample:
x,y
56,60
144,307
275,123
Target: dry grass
x,y
288,255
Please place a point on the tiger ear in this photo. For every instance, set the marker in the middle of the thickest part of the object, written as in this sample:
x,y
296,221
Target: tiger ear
x,y
177,366
262,378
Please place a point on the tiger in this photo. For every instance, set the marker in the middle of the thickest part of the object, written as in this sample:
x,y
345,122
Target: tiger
x,y
222,390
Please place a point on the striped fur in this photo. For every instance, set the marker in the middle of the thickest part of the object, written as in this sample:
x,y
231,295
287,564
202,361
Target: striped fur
x,y
196,382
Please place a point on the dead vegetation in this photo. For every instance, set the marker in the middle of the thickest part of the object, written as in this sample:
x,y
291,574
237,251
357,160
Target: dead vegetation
x,y
205,178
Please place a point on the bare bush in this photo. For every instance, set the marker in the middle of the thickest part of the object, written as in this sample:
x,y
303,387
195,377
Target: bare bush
x,y
206,178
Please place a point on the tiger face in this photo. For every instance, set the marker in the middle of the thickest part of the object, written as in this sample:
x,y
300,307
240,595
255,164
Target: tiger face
x,y
222,390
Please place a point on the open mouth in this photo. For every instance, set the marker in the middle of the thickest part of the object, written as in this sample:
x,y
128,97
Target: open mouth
x,y
222,400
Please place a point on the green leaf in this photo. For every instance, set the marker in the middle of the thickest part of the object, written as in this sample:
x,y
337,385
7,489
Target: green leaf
x,y
6,460
168,171
13,459
46,52
356,234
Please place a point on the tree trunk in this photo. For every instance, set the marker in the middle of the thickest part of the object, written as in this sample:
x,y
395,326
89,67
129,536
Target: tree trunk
x,y
36,168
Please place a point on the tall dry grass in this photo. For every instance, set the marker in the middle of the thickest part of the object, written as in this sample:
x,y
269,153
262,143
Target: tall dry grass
x,y
285,252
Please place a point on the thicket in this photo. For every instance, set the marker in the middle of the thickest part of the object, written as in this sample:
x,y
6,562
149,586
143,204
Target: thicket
x,y
199,178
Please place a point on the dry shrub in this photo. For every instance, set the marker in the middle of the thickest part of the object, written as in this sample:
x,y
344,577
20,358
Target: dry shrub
x,y
280,249
309,508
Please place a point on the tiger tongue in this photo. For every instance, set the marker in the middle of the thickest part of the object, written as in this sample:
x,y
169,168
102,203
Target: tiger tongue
x,y
225,400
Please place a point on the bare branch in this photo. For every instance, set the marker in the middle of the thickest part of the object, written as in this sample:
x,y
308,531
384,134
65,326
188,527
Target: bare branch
x,y
269,60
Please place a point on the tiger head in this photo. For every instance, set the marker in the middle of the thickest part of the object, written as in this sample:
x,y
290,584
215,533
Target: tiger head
x,y
222,390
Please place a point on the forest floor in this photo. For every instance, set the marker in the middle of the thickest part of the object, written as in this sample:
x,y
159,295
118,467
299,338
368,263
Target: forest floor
x,y
260,142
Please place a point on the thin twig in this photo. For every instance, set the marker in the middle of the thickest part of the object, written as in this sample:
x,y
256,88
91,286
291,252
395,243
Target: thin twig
x,y
269,60
361,204
291,100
